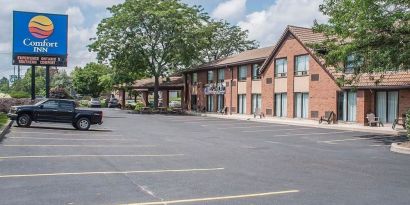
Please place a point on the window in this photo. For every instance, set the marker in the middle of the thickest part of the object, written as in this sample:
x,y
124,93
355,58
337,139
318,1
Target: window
x,y
281,67
241,104
210,103
193,102
256,102
352,64
255,72
51,104
221,102
346,106
210,76
221,75
64,105
242,72
301,105
194,78
302,65
281,104
387,105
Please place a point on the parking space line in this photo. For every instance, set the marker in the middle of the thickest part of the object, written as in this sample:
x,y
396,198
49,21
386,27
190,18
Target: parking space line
x,y
317,133
77,145
271,130
217,198
233,123
79,156
256,126
111,172
344,140
65,139
71,134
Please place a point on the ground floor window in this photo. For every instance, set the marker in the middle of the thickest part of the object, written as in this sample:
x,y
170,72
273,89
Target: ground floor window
x,y
241,104
281,102
301,105
256,102
347,106
210,103
387,105
221,102
193,102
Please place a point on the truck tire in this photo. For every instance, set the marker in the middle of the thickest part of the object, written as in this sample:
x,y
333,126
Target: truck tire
x,y
24,120
83,124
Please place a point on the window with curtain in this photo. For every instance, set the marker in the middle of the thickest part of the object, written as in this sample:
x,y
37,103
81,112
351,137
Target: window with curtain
x,y
194,78
301,65
347,106
281,105
256,102
210,103
281,67
255,72
301,105
221,75
241,104
387,105
210,76
242,72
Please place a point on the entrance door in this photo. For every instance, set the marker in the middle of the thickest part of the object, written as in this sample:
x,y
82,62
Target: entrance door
x,y
347,106
387,105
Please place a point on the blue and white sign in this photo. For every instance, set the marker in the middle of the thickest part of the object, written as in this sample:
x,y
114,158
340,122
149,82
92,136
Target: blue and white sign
x,y
39,39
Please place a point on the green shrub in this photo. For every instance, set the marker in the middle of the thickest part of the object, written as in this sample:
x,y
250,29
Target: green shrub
x,y
84,103
408,123
139,106
19,94
104,103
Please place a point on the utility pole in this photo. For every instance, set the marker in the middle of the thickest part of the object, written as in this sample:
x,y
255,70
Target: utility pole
x,y
33,82
47,81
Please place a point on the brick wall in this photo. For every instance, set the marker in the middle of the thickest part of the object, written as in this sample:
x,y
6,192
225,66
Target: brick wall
x,y
267,90
249,90
404,101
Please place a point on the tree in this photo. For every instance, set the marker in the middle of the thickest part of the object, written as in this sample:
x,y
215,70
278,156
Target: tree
x,y
24,85
375,35
87,80
151,37
223,40
61,79
4,85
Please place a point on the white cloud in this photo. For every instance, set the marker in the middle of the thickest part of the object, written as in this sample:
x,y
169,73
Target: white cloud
x,y
77,17
266,26
231,10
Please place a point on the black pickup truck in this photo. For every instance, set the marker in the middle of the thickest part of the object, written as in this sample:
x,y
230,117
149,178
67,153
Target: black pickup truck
x,y
55,110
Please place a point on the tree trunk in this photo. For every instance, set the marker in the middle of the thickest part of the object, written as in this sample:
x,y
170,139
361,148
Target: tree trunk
x,y
156,90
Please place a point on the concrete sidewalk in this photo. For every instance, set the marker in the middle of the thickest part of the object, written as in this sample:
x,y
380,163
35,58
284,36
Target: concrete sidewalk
x,y
387,129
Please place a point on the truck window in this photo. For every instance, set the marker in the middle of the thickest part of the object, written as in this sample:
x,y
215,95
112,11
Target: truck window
x,y
51,104
66,105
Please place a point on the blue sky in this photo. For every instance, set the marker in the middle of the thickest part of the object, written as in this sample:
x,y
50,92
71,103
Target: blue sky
x,y
265,20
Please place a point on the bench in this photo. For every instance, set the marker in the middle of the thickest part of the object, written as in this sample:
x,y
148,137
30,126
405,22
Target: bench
x,y
329,117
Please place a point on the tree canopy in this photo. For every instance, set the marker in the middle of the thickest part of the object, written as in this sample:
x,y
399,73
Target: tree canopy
x,y
156,37
87,80
373,35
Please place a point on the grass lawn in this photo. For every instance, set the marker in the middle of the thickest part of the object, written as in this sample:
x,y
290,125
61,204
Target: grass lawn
x,y
3,119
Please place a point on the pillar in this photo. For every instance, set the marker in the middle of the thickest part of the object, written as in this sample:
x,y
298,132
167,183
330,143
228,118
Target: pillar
x,y
145,98
165,98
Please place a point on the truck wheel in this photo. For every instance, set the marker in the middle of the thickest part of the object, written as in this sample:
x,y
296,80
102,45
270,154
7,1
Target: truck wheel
x,y
24,120
83,123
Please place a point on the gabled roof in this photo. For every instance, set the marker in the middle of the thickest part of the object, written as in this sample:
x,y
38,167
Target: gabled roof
x,y
249,56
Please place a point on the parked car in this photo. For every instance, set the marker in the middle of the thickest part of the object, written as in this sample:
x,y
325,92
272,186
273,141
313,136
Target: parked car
x,y
94,102
113,103
55,110
175,104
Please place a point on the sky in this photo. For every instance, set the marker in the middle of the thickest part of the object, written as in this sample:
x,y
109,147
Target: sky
x,y
265,20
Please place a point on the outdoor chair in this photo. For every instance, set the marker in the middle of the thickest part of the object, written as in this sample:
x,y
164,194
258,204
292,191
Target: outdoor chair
x,y
258,113
372,119
329,117
222,111
400,121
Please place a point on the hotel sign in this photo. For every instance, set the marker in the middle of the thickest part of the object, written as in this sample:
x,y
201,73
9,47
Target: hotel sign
x,y
39,39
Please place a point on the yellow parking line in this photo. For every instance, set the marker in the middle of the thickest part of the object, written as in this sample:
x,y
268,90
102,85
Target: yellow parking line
x,y
73,156
110,172
65,139
217,198
77,145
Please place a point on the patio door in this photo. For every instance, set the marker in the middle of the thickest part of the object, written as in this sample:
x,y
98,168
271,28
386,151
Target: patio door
x,y
221,102
347,106
210,103
256,102
241,104
387,105
301,105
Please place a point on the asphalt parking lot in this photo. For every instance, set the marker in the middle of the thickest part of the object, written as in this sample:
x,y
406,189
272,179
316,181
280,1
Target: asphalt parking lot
x,y
157,159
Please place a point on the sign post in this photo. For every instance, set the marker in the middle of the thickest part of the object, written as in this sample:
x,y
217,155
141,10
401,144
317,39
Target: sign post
x,y
39,39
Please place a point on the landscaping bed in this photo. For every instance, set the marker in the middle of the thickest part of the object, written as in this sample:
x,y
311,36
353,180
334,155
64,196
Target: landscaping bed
x,y
3,119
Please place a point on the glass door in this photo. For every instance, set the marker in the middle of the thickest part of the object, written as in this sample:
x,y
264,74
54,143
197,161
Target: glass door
x,y
347,106
241,104
387,105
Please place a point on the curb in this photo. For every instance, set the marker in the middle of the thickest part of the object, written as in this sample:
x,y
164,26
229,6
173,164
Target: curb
x,y
395,147
394,133
5,130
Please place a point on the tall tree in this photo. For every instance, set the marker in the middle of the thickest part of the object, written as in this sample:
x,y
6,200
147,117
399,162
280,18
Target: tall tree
x,y
61,79
223,39
152,37
374,35
4,85
87,80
